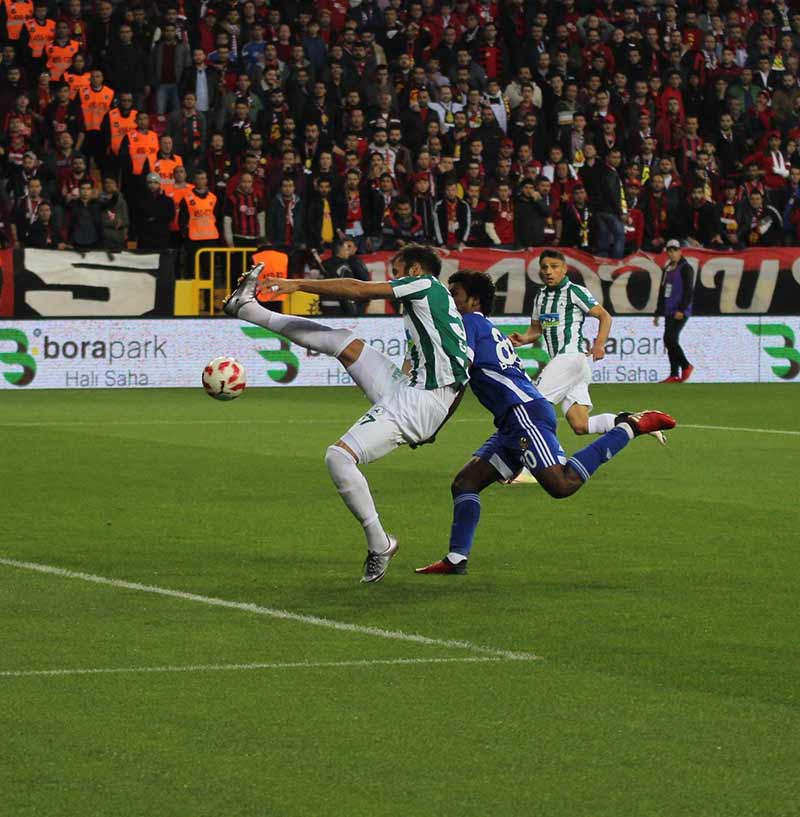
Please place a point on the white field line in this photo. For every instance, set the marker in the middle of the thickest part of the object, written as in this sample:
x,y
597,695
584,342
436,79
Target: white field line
x,y
378,662
318,421
270,612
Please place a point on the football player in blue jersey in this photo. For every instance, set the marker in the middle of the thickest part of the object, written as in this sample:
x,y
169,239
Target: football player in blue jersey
x,y
525,422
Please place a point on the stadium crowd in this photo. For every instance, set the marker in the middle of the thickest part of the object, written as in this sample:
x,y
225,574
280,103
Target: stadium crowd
x,y
596,124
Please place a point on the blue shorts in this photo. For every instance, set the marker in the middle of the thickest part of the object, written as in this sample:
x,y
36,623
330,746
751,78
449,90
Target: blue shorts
x,y
525,439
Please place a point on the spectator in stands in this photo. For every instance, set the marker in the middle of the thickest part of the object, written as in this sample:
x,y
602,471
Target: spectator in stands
x,y
45,232
189,130
285,220
127,66
325,217
451,218
154,212
401,226
84,223
343,264
114,216
168,60
244,220
609,206
26,211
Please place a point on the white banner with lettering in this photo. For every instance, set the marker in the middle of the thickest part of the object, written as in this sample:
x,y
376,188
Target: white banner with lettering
x,y
97,354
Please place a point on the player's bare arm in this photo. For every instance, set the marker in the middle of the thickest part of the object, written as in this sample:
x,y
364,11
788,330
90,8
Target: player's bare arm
x,y
598,350
340,287
530,335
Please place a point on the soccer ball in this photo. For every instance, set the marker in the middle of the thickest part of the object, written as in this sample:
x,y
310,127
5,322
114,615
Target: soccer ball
x,y
224,378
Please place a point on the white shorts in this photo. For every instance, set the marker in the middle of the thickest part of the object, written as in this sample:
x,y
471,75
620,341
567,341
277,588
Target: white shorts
x,y
565,381
403,415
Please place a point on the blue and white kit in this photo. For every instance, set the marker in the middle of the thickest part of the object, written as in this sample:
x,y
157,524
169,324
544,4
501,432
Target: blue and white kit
x,y
525,420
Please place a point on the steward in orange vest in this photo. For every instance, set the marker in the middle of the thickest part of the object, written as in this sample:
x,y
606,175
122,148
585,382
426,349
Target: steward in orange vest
x,y
76,76
95,101
198,223
17,12
166,162
139,147
59,53
38,31
177,189
197,218
118,123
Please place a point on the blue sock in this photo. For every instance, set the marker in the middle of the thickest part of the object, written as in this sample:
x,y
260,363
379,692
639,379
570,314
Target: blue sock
x,y
466,513
589,459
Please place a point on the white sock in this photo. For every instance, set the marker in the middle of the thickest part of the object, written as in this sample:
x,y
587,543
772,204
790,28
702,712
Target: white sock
x,y
354,490
303,332
601,423
456,558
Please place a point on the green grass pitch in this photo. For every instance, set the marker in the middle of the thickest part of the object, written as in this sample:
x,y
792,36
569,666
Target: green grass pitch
x,y
662,600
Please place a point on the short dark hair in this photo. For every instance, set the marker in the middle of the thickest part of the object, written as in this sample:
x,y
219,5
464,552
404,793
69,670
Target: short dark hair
x,y
559,256
424,256
477,285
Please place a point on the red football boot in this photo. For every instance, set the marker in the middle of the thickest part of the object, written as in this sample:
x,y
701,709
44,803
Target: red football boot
x,y
444,567
687,373
646,422
671,379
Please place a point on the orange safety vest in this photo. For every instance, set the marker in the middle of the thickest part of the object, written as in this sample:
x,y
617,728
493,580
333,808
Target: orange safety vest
x,y
177,194
40,35
59,58
166,169
16,15
120,127
76,82
202,221
95,105
276,265
143,147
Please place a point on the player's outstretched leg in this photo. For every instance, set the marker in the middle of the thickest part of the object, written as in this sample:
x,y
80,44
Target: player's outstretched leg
x,y
242,303
373,372
584,423
563,481
354,490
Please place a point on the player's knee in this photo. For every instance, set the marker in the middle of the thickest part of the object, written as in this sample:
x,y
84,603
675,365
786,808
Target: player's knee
x,y
338,459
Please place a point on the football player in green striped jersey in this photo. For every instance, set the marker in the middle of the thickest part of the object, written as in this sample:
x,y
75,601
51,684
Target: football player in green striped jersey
x,y
559,312
409,405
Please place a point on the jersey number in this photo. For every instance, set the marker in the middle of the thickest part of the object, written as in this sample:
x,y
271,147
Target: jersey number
x,y
504,350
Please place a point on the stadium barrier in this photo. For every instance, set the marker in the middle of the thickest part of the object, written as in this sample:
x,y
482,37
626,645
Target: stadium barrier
x,y
117,353
53,283
215,271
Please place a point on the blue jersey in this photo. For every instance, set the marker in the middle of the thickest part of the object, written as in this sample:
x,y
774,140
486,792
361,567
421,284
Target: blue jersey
x,y
497,377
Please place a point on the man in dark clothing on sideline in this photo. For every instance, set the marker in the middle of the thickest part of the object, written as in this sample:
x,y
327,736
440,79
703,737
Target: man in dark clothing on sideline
x,y
675,304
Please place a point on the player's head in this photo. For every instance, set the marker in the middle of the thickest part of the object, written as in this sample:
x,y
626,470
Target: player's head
x,y
552,267
415,259
472,291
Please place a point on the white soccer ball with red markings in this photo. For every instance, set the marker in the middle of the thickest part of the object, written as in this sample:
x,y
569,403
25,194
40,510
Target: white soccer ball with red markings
x,y
224,378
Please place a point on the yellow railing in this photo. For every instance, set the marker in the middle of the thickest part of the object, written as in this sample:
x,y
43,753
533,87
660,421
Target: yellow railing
x,y
203,294
206,262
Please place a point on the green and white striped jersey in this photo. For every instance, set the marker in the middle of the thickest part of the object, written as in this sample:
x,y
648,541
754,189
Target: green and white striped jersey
x,y
437,342
561,312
